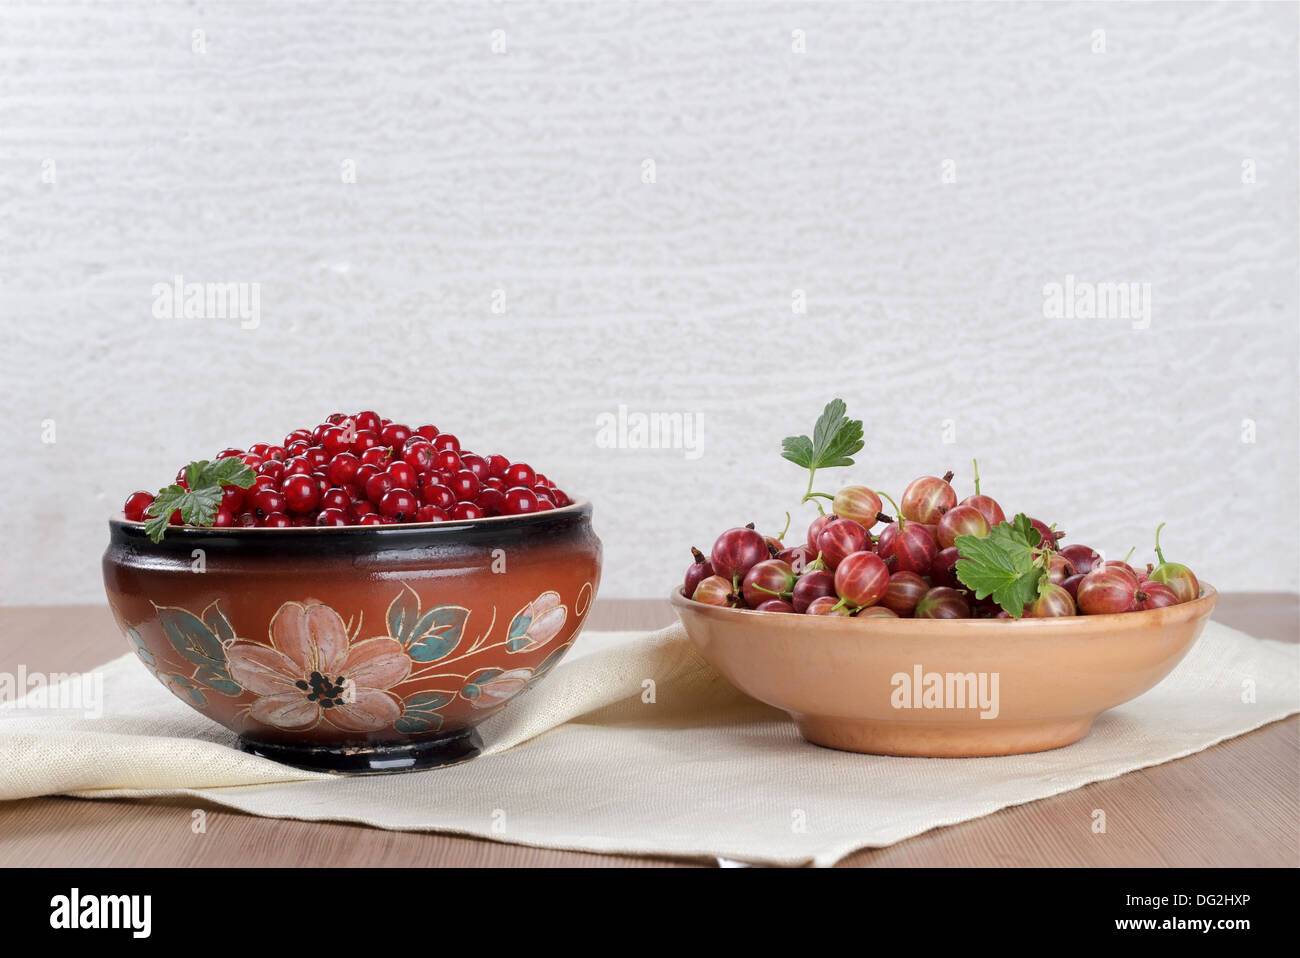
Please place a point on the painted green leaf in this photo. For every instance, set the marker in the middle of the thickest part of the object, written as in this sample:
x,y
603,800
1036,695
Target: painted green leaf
x,y
184,688
218,680
191,637
402,614
419,712
218,624
519,626
437,632
145,655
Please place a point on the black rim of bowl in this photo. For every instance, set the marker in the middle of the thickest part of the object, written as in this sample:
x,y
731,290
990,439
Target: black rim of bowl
x,y
335,539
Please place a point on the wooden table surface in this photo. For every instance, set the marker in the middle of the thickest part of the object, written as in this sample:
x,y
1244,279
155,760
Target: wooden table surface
x,y
1236,803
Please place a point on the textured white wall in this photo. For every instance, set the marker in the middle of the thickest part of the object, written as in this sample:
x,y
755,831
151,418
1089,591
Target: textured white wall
x,y
775,171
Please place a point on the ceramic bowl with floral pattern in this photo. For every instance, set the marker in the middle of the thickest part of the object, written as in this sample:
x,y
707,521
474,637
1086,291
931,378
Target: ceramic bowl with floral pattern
x,y
357,648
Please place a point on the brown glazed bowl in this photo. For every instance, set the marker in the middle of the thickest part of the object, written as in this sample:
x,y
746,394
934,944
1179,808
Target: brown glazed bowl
x,y
355,649
944,688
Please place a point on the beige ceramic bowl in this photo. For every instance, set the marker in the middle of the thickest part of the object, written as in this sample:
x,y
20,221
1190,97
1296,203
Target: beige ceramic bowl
x,y
944,688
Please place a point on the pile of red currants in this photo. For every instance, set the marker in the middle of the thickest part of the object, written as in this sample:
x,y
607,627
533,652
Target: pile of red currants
x,y
358,470
936,558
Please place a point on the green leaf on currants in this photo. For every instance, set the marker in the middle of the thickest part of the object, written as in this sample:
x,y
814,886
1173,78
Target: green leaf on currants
x,y
835,440
199,503
1002,564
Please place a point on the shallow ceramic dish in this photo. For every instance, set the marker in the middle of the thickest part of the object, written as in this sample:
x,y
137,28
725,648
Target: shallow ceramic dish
x,y
944,688
355,649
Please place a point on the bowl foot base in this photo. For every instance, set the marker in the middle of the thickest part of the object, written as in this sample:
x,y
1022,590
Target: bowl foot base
x,y
942,741
371,759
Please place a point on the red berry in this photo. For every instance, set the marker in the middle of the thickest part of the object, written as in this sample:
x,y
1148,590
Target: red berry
x,y
342,469
520,474
925,500
267,502
368,420
232,498
449,459
497,466
436,494
492,501
520,501
428,432
861,578
475,464
272,468
394,435
378,486
398,504
300,493
446,441
335,498
430,514
317,456
465,485
734,553
223,518
420,454
275,520
942,602
358,509
136,504
905,590
961,521
366,439
297,466
839,538
332,517
371,519
403,475
466,510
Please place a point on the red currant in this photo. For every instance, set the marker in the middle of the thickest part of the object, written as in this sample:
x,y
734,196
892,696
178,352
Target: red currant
x,y
342,469
520,501
137,503
466,510
398,504
332,517
436,494
378,486
300,493
368,420
446,441
520,474
497,466
491,501
223,518
275,520
428,432
366,439
394,435
403,475
465,485
449,459
475,464
430,514
268,501
371,519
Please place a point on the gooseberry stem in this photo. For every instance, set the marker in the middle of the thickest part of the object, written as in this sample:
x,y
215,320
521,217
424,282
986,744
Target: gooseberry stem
x,y
976,464
1159,555
881,492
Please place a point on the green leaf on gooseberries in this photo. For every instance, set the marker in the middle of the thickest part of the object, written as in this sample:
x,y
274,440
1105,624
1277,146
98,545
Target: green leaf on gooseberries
x,y
199,503
835,440
1001,564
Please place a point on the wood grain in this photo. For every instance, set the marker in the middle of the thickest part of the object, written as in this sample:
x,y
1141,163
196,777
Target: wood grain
x,y
1235,803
